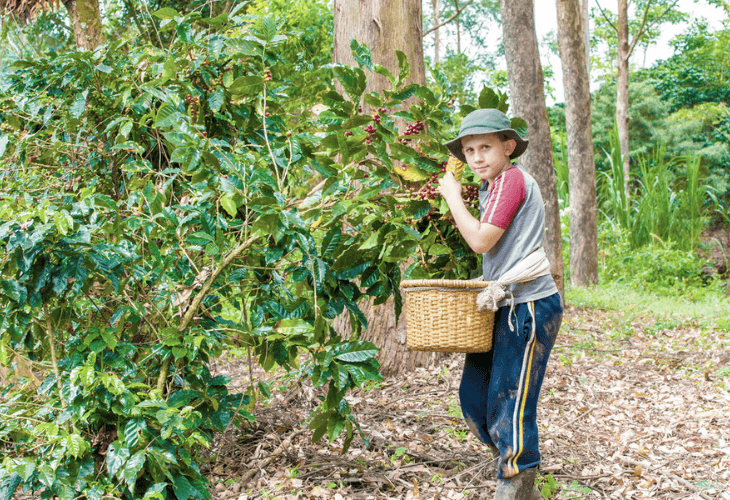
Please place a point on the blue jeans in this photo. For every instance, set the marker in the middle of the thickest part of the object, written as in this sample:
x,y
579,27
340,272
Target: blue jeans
x,y
500,388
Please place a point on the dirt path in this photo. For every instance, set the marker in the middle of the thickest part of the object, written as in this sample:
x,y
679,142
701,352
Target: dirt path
x,y
630,409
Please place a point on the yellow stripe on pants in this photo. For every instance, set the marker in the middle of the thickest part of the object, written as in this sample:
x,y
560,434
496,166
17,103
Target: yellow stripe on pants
x,y
525,390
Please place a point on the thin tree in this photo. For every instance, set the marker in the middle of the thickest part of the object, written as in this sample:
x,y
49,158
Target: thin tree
x,y
527,94
385,27
436,36
581,164
650,18
586,32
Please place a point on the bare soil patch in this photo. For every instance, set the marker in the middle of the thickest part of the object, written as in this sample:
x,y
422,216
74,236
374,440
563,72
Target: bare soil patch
x,y
629,409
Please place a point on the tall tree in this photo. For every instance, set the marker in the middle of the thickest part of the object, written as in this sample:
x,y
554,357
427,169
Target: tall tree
x,y
584,10
85,16
86,23
581,164
436,35
527,93
652,14
385,27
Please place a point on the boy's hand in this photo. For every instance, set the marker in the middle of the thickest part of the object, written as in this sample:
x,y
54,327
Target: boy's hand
x,y
449,187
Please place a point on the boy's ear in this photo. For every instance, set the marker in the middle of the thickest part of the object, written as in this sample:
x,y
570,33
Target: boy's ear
x,y
509,146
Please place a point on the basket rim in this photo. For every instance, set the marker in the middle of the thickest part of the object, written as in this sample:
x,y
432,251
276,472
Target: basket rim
x,y
442,283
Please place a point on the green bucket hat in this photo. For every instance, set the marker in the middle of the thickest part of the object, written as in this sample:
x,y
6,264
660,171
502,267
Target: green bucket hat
x,y
486,121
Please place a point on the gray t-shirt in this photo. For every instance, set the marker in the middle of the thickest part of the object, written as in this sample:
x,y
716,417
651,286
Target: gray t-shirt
x,y
514,203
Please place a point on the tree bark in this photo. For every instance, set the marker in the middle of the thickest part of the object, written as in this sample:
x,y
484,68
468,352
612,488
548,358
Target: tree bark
x,y
581,163
85,18
385,26
436,38
527,93
389,335
586,33
622,86
458,28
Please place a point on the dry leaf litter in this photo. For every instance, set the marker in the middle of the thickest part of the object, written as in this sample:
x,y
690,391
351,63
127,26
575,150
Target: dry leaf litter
x,y
629,409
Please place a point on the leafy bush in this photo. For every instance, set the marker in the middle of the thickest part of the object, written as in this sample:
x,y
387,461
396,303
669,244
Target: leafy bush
x,y
159,205
657,267
658,206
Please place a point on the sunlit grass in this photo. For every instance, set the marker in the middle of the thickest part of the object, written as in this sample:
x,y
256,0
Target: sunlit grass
x,y
711,310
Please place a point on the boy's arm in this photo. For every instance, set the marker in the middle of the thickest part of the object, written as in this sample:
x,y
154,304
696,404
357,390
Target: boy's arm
x,y
480,236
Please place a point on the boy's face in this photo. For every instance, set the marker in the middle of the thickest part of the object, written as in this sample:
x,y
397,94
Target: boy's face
x,y
487,155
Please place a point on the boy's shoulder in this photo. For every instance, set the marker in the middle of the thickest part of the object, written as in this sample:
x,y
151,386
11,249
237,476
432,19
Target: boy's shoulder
x,y
512,179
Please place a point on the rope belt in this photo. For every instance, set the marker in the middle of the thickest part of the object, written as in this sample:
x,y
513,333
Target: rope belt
x,y
530,268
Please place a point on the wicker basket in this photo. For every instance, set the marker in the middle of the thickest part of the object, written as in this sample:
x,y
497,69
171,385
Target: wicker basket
x,y
442,316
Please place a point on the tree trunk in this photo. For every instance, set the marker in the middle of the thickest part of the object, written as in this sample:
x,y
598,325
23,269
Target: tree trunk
x,y
436,38
581,164
622,86
586,33
385,26
86,23
390,336
458,28
527,93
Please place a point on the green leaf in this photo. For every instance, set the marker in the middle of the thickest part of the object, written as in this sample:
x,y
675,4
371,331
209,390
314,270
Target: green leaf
x,y
169,70
165,115
8,487
439,249
63,221
405,92
488,98
15,291
79,105
134,465
247,85
382,70
112,383
268,26
352,79
166,13
132,431
155,492
358,352
362,54
46,475
335,426
104,68
355,121
331,241
404,71
519,125
109,339
229,205
116,456
76,445
215,100
371,242
183,489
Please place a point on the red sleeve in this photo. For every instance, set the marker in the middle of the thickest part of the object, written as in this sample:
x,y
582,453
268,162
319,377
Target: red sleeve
x,y
505,199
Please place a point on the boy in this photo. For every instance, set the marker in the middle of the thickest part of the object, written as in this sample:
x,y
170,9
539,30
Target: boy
x,y
499,389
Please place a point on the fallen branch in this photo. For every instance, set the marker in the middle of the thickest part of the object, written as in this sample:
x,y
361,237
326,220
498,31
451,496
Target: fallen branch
x,y
280,450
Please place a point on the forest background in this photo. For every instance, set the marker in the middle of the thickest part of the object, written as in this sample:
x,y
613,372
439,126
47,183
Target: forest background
x,y
186,179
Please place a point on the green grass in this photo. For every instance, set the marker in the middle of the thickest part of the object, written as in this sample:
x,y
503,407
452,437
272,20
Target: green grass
x,y
711,309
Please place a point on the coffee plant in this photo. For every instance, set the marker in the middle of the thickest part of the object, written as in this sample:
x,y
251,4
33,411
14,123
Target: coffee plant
x,y
160,205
